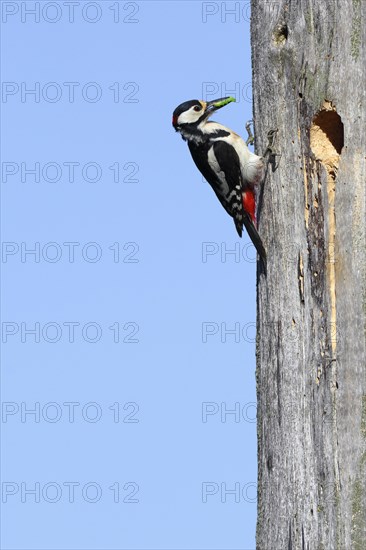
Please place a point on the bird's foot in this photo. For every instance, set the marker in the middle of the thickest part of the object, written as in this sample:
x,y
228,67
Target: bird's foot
x,y
270,150
248,128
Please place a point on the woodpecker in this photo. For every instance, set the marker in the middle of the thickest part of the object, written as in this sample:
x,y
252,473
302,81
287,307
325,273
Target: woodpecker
x,y
225,161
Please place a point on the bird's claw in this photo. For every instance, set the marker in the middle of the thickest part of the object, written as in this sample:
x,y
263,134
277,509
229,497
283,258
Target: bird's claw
x,y
271,136
250,139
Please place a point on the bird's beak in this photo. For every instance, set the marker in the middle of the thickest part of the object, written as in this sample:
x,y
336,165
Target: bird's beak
x,y
212,106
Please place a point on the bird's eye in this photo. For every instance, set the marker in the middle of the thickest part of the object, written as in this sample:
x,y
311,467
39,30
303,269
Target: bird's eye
x,y
197,108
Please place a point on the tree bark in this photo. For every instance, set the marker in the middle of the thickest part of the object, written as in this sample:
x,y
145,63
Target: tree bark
x,y
309,82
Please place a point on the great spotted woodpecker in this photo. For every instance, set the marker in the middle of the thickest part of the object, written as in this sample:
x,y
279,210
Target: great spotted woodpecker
x,y
225,161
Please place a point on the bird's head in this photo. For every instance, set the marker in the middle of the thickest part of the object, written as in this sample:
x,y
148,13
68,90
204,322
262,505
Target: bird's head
x,y
192,113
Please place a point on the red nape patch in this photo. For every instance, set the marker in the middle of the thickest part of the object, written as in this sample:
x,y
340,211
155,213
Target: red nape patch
x,y
174,120
249,204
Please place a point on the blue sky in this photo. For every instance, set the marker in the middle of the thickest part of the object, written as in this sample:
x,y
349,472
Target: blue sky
x,y
128,301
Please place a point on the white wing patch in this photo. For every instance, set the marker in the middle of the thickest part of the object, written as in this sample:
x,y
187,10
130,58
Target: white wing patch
x,y
215,166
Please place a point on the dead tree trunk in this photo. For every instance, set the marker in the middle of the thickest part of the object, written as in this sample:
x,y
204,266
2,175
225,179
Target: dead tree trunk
x,y
309,82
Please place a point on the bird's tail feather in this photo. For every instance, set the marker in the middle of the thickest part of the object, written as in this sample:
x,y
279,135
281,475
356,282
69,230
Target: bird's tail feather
x,y
255,238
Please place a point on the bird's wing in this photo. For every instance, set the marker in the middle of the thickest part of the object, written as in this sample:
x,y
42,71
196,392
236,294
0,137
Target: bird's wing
x,y
200,154
223,173
229,163
225,160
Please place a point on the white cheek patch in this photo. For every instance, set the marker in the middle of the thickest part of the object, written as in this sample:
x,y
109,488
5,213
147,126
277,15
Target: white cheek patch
x,y
189,117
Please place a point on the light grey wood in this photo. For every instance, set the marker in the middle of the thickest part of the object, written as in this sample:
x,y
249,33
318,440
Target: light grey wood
x,y
309,82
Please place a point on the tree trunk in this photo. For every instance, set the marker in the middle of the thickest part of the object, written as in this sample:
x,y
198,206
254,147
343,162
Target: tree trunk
x,y
309,82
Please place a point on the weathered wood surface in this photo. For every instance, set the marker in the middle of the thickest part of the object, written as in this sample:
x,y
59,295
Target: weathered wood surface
x,y
309,82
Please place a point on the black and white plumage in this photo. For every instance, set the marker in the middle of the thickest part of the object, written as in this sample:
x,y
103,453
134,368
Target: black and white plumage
x,y
225,161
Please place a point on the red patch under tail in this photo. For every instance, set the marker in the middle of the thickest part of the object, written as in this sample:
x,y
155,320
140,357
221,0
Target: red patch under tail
x,y
249,204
